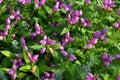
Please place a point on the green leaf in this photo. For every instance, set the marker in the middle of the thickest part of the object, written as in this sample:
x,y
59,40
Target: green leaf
x,y
25,57
6,53
65,30
2,9
36,72
55,46
43,68
21,75
25,68
48,9
36,46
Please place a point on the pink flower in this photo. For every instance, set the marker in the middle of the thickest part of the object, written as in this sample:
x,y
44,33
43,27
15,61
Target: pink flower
x,y
88,1
107,59
90,76
85,22
1,1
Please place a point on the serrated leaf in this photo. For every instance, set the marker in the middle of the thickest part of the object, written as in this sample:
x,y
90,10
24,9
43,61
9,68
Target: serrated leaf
x,y
6,53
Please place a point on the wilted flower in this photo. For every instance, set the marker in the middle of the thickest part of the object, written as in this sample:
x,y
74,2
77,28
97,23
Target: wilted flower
x,y
91,77
106,59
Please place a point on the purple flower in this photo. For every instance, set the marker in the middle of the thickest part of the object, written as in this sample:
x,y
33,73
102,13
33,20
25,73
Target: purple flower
x,y
119,12
118,56
1,1
38,30
32,58
106,59
88,1
65,53
96,33
101,34
47,40
24,1
72,57
39,3
93,41
90,76
85,22
42,51
104,31
23,40
109,3
66,8
12,72
117,25
118,77
56,6
47,75
89,46
8,21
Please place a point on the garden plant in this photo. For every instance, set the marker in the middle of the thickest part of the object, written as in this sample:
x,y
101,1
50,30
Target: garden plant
x,y
59,39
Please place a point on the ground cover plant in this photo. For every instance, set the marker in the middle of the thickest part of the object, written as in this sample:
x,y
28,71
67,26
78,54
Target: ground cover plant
x,y
59,40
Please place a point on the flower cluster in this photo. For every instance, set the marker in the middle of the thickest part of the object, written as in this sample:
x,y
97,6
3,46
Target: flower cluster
x,y
39,3
73,18
107,59
47,41
24,1
38,31
109,3
32,58
47,76
16,64
85,22
59,5
101,34
67,39
23,42
92,41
